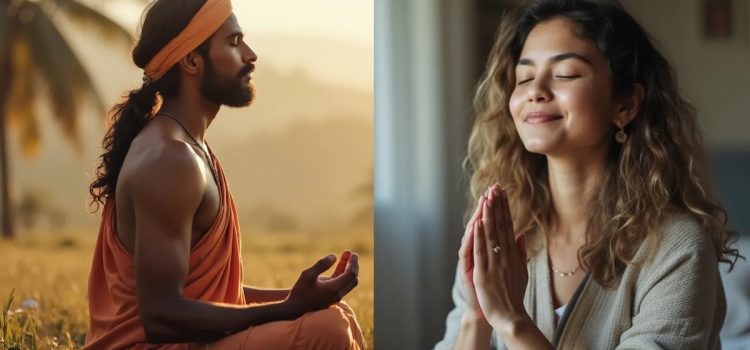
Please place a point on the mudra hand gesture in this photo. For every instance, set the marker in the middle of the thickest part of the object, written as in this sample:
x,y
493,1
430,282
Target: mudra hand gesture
x,y
493,264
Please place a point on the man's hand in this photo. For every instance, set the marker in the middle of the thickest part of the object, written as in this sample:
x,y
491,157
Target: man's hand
x,y
312,292
341,267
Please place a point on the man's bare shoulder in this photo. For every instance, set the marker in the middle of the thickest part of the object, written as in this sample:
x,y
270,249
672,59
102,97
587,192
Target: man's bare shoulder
x,y
165,167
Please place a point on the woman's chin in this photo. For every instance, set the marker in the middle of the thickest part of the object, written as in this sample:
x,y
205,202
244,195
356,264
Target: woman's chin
x,y
538,146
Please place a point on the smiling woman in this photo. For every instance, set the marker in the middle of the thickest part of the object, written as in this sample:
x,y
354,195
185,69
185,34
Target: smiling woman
x,y
584,158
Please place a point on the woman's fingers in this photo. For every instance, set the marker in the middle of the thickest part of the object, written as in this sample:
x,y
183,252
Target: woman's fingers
x,y
480,252
466,253
500,219
510,236
474,217
478,210
477,213
488,227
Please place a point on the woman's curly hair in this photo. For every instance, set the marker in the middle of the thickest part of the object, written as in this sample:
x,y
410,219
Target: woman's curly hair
x,y
659,171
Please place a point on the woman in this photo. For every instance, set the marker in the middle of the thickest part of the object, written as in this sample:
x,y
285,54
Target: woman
x,y
584,153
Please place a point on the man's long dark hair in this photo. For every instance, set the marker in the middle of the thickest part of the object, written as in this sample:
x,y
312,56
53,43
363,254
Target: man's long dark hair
x,y
162,21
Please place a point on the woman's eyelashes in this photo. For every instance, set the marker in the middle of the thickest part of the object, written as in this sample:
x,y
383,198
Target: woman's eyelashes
x,y
559,77
524,81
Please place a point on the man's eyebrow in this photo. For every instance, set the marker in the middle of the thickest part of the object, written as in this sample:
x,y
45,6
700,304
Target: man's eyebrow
x,y
556,58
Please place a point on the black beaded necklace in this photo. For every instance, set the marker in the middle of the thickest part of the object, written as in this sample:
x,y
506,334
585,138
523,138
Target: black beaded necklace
x,y
203,148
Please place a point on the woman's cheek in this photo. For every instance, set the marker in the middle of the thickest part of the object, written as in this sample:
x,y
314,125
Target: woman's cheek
x,y
515,104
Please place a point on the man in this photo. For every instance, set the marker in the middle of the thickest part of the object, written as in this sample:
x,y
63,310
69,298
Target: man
x,y
167,267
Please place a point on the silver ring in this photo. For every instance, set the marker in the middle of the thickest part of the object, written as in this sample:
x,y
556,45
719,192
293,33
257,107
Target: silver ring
x,y
496,249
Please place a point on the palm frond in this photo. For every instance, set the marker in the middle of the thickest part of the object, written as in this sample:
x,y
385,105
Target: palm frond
x,y
67,80
88,16
21,112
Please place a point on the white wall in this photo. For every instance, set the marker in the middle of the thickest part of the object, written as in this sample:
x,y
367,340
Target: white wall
x,y
713,74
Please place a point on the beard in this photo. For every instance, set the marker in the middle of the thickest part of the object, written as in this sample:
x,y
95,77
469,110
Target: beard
x,y
232,91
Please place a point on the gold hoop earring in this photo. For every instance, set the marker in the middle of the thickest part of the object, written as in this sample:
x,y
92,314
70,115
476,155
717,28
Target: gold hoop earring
x,y
621,136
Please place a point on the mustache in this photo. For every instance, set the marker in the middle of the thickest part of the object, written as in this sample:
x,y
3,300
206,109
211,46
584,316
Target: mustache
x,y
247,70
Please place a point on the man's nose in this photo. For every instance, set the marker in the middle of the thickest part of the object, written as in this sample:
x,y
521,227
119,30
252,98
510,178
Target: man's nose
x,y
250,56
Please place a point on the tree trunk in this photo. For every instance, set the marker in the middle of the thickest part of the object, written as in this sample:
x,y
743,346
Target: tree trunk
x,y
7,227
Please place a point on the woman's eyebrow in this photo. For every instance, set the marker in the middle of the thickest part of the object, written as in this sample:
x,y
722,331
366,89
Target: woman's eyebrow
x,y
556,58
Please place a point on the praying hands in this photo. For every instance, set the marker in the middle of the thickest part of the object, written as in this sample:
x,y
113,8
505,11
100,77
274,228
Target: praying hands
x,y
493,270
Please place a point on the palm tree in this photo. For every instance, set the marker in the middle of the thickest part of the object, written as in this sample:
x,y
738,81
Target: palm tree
x,y
34,55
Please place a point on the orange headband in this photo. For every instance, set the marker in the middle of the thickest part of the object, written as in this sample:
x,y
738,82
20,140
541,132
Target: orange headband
x,y
207,21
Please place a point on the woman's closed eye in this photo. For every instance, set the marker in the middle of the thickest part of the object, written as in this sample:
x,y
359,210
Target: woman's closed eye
x,y
561,77
524,81
567,77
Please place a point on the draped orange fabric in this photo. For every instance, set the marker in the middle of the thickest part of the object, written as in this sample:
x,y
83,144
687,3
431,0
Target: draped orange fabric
x,y
215,274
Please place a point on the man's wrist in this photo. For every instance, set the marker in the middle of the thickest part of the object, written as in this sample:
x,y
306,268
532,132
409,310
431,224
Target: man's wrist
x,y
290,308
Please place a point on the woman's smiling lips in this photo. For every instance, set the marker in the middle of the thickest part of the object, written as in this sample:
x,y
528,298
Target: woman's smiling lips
x,y
540,117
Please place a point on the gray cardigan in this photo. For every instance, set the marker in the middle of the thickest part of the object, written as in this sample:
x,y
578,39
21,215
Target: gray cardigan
x,y
674,301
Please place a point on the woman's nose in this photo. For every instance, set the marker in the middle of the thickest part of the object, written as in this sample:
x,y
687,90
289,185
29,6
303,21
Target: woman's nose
x,y
538,91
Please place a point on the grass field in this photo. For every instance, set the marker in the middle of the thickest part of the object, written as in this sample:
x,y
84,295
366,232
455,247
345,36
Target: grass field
x,y
52,270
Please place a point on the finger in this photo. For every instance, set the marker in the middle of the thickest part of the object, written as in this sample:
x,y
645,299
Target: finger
x,y
478,209
353,264
465,249
477,213
474,217
494,193
311,274
510,236
497,213
469,259
488,233
339,283
341,266
466,253
348,288
480,252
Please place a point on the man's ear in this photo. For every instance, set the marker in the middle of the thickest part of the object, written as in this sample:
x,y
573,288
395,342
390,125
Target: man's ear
x,y
192,63
629,107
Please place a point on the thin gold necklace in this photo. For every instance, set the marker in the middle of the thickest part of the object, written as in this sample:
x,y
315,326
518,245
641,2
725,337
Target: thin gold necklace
x,y
564,273
208,157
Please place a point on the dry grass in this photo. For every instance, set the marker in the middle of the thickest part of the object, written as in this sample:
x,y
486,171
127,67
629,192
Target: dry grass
x,y
53,270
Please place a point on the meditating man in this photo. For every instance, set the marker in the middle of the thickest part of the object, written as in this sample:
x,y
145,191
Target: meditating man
x,y
167,270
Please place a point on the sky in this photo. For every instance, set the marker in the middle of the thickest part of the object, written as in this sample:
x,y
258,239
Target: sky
x,y
345,24
291,17
314,77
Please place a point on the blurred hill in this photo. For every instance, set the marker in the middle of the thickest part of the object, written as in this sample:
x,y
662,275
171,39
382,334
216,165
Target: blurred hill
x,y
303,170
304,177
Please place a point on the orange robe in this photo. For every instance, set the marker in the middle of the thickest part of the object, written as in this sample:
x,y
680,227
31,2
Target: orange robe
x,y
215,275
